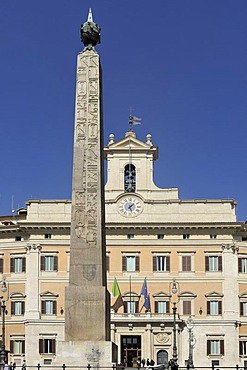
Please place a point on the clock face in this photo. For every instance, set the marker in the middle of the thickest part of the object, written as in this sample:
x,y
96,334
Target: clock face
x,y
130,206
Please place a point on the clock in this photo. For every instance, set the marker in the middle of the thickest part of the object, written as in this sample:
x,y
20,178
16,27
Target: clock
x,y
130,206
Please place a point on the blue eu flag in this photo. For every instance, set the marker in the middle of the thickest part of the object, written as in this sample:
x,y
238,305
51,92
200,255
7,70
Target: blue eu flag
x,y
144,292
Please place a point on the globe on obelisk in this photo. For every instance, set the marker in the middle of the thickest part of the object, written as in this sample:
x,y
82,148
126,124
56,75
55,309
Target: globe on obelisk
x,y
87,301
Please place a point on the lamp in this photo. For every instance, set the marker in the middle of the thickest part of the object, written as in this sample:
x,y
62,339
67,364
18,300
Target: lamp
x,y
174,291
3,351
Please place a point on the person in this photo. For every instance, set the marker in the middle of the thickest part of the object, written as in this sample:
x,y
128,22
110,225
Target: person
x,y
11,366
24,365
14,365
6,366
148,363
143,362
152,363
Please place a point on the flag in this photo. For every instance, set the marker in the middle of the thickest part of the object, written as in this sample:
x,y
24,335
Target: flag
x,y
144,292
133,120
116,293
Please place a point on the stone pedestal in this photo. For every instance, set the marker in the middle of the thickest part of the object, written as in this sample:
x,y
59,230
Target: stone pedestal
x,y
87,313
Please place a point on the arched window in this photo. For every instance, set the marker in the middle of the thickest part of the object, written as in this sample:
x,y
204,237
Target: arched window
x,y
162,357
130,178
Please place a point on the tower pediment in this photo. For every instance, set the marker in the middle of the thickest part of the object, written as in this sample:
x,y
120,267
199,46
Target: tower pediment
x,y
130,142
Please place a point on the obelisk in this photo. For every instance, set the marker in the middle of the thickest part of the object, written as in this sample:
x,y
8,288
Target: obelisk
x,y
87,308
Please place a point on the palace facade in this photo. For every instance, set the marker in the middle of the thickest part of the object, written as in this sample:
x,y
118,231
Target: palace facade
x,y
195,246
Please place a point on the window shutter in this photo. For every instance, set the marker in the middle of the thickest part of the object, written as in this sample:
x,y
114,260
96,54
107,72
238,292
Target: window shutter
x,y
136,307
206,263
220,307
1,265
23,346
41,346
155,307
42,263
241,309
167,307
23,264
43,310
12,265
184,267
124,263
53,346
208,347
240,348
208,307
240,265
137,263
167,263
12,308
186,307
125,307
220,263
22,308
11,347
54,307
107,263
55,263
222,347
154,263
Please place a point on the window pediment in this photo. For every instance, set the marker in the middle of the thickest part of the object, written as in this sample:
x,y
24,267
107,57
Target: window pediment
x,y
187,294
17,295
47,294
214,294
161,295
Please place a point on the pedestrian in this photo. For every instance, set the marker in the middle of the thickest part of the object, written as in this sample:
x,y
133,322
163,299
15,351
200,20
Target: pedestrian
x,y
11,366
148,363
143,362
5,365
24,365
14,365
152,363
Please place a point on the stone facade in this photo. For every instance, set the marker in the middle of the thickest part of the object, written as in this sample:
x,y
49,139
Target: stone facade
x,y
199,243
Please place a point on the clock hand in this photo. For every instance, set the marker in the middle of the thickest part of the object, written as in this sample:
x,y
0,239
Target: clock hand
x,y
130,207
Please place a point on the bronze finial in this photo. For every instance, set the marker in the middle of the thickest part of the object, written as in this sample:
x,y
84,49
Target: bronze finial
x,y
90,32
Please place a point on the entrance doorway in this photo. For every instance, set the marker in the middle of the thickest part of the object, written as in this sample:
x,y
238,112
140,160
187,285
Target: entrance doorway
x,y
131,350
162,357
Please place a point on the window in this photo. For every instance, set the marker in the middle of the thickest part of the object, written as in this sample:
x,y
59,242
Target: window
x,y
17,308
49,263
214,307
130,236
18,238
160,236
49,307
161,263
47,346
186,307
215,347
47,236
17,346
107,262
213,263
129,178
186,263
1,265
162,307
243,308
242,264
131,307
130,263
243,348
213,236
186,236
17,264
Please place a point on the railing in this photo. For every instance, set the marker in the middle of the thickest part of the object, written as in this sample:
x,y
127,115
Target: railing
x,y
121,367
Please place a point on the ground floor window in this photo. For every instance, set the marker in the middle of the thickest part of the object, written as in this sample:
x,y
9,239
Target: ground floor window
x,y
162,357
131,350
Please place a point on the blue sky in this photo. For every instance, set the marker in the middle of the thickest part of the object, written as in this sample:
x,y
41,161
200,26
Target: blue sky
x,y
180,64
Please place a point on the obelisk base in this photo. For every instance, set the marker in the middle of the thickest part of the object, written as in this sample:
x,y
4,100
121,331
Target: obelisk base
x,y
96,353
87,314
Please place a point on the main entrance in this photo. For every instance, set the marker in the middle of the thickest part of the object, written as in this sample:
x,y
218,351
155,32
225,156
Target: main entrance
x,y
131,350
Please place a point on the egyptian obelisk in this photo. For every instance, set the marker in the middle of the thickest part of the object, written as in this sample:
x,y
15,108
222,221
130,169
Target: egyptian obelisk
x,y
87,308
